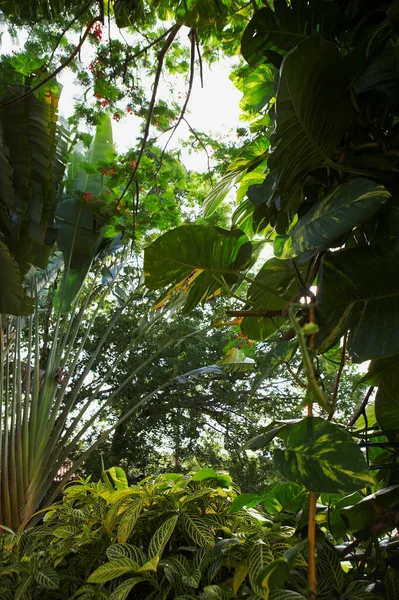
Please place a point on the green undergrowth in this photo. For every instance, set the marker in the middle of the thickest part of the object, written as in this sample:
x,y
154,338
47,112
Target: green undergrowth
x,y
180,537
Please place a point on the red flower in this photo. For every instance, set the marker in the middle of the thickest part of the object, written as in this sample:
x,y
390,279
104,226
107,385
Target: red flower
x,y
87,195
104,103
104,172
116,117
98,95
113,171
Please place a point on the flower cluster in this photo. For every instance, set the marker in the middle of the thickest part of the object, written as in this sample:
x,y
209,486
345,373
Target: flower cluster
x,y
96,32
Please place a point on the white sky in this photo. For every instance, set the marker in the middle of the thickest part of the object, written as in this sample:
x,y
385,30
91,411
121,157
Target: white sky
x,y
213,109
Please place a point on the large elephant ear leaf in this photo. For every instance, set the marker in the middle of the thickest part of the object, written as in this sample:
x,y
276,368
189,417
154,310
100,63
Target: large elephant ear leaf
x,y
79,234
196,259
357,291
272,33
312,111
338,213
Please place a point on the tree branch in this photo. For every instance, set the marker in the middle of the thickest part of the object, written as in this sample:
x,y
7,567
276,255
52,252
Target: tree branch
x,y
161,57
362,407
33,89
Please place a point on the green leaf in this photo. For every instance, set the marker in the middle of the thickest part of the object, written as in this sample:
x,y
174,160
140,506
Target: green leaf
x,y
260,87
126,551
129,519
322,457
189,257
12,297
122,591
215,592
220,191
312,111
274,576
273,287
235,361
161,537
285,497
387,400
48,578
118,477
377,368
113,569
244,500
329,564
349,205
271,32
197,530
356,291
260,557
361,518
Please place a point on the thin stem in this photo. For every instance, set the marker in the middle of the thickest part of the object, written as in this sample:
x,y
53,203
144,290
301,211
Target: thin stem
x,y
362,407
338,378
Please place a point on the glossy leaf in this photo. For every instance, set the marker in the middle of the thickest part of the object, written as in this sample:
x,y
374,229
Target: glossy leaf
x,y
245,501
312,111
192,256
285,497
322,457
356,291
349,205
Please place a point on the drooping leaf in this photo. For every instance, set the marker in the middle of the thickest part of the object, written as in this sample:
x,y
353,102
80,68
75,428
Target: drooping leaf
x,y
194,258
362,516
235,361
312,111
322,457
357,291
349,205
281,353
220,191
